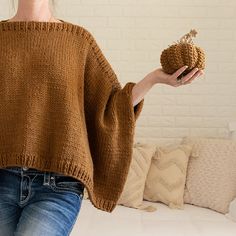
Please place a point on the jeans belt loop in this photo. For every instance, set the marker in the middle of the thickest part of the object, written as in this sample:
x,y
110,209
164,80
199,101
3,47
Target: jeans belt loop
x,y
46,180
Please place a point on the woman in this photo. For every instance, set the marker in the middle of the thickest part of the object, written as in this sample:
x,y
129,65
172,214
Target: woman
x,y
51,158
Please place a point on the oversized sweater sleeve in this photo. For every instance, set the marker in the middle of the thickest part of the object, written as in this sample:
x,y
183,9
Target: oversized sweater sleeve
x,y
110,121
99,75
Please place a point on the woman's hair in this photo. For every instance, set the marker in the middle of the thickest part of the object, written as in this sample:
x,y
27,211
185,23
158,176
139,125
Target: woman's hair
x,y
51,3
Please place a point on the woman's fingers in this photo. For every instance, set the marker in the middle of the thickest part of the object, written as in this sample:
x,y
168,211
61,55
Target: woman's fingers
x,y
193,74
199,73
190,74
179,72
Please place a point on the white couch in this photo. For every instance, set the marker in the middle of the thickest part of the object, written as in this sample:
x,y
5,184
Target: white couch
x,y
192,221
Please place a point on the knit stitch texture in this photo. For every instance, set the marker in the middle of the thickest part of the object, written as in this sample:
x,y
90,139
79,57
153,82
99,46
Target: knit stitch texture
x,y
62,108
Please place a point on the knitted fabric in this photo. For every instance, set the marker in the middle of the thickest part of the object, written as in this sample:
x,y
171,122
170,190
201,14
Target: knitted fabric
x,y
62,108
181,53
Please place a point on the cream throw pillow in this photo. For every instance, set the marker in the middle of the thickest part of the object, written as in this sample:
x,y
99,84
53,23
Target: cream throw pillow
x,y
167,175
132,194
211,176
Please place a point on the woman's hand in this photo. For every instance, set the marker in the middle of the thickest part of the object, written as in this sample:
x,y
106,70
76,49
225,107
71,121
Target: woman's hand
x,y
159,76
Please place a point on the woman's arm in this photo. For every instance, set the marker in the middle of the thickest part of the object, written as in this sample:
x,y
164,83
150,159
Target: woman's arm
x,y
159,76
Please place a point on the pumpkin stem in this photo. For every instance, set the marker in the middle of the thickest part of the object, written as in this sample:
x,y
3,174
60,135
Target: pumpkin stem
x,y
188,38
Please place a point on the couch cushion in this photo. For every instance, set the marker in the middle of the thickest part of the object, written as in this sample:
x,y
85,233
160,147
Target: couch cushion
x,y
192,221
211,175
232,211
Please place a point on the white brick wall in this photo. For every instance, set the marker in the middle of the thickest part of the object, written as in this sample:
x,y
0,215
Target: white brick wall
x,y
132,34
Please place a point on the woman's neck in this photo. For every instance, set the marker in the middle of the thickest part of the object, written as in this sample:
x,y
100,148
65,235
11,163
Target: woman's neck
x,y
33,10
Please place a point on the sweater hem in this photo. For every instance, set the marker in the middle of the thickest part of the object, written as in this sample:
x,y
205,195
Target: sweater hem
x,y
61,167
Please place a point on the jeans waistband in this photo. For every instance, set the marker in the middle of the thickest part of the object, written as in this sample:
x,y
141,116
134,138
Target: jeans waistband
x,y
20,169
31,171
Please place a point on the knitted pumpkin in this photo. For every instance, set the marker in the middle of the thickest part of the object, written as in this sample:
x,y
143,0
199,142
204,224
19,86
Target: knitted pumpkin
x,y
181,53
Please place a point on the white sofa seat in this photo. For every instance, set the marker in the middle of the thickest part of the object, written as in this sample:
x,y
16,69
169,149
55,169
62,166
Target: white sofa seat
x,y
192,221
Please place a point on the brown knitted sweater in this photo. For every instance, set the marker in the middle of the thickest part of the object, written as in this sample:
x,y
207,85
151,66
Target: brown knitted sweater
x,y
62,108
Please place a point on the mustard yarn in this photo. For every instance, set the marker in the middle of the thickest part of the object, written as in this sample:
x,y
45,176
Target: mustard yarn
x,y
181,53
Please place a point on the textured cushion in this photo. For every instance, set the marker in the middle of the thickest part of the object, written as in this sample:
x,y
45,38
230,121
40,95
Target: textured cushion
x,y
211,175
167,175
132,195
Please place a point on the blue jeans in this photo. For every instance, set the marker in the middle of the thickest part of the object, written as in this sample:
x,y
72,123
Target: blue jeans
x,y
38,203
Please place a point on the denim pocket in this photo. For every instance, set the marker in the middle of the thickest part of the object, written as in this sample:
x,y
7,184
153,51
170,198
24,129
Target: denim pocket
x,y
66,183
